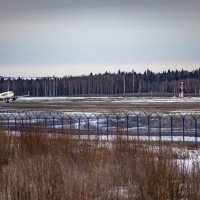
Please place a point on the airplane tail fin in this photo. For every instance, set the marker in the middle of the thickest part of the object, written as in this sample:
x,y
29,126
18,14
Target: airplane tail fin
x,y
27,94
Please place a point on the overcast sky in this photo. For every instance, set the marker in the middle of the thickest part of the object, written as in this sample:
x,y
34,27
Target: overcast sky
x,y
62,37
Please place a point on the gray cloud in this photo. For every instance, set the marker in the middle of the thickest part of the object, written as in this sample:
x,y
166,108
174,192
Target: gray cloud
x,y
99,32
143,4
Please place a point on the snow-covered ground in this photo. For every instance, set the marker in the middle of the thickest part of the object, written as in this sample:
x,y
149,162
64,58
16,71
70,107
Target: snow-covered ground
x,y
117,99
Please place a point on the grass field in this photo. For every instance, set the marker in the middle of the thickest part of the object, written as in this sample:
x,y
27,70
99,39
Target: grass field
x,y
39,166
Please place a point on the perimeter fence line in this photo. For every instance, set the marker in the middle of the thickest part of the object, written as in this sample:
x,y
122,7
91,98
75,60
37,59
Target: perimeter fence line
x,y
150,125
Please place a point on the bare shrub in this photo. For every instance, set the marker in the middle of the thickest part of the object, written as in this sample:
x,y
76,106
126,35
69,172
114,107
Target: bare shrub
x,y
36,165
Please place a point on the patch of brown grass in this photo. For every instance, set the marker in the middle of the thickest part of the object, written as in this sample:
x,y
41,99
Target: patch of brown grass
x,y
36,165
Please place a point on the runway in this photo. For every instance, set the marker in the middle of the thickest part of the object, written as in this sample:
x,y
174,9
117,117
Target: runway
x,y
110,104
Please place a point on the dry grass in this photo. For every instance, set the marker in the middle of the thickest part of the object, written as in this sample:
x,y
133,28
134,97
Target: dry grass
x,y
34,165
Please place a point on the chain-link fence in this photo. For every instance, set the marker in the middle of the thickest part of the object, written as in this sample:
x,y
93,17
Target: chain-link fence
x,y
162,126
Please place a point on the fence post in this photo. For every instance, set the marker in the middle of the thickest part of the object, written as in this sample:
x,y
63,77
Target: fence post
x,y
70,124
149,128
22,121
127,125
88,119
138,127
160,128
195,121
37,118
15,124
107,128
117,121
183,124
53,122
30,121
79,127
62,123
171,120
45,122
97,125
8,122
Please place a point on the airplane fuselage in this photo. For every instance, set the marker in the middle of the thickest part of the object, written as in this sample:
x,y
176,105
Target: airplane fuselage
x,y
6,96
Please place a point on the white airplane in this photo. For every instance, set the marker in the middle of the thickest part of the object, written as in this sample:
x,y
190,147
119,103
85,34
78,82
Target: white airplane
x,y
9,95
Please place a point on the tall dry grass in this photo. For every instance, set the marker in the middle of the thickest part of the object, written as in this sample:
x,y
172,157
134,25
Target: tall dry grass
x,y
36,165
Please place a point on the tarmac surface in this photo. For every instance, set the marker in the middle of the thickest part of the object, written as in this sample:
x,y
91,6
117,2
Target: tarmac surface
x,y
104,104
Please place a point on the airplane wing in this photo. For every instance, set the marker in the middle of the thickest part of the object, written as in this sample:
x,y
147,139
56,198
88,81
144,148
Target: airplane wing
x,y
21,96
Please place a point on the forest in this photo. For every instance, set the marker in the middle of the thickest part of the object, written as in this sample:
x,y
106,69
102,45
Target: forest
x,y
120,83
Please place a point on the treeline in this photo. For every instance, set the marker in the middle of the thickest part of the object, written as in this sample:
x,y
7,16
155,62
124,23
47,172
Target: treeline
x,y
107,83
